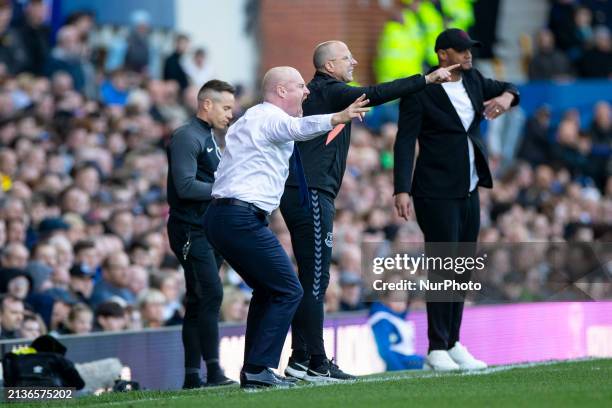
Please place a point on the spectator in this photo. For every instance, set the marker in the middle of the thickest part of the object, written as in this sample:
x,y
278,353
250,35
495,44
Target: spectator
x,y
62,301
137,54
535,146
45,253
32,326
11,317
198,68
173,68
87,256
12,51
81,282
75,200
350,292
151,304
597,61
235,306
16,231
15,282
35,35
114,91
601,128
110,317
567,152
548,63
66,57
562,23
15,255
170,286
87,177
394,336
80,320
121,224
140,254
115,280
140,279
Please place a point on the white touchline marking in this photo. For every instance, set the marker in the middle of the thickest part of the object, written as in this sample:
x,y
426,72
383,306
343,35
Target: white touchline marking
x,y
402,375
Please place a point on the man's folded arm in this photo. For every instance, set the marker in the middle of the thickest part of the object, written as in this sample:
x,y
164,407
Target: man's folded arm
x,y
493,88
184,166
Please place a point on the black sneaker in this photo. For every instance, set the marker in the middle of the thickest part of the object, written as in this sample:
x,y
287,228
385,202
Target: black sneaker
x,y
296,369
219,380
192,381
288,379
328,371
264,379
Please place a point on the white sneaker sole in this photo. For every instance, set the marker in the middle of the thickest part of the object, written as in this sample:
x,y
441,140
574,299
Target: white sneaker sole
x,y
429,367
471,368
292,372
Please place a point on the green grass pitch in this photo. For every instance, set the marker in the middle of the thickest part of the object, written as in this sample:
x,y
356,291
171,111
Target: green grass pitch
x,y
585,383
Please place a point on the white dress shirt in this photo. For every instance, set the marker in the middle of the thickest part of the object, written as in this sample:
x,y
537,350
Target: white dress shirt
x,y
255,163
461,101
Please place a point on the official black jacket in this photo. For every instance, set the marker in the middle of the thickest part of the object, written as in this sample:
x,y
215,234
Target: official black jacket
x,y
192,162
442,167
324,165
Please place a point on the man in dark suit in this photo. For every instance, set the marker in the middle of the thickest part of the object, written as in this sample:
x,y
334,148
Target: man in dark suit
x,y
452,163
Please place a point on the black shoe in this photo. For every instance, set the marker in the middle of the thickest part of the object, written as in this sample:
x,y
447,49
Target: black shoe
x,y
219,380
264,379
192,382
296,369
328,371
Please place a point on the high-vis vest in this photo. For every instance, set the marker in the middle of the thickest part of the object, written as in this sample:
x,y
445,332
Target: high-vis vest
x,y
458,13
400,49
433,24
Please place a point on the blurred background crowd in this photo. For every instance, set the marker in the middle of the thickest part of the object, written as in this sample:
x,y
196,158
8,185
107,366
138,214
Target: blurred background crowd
x,y
86,111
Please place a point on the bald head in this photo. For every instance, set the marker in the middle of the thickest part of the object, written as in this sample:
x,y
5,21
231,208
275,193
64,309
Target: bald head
x,y
285,88
326,51
334,58
278,76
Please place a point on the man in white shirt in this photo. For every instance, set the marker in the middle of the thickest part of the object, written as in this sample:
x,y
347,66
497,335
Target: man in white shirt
x,y
248,186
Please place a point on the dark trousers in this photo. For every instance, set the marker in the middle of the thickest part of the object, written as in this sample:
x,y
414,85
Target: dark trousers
x,y
243,238
204,292
311,239
447,221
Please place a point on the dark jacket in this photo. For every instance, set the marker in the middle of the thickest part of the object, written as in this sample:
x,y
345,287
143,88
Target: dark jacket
x,y
192,162
442,168
36,46
173,70
324,165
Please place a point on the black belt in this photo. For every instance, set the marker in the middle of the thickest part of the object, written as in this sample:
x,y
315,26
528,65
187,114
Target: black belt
x,y
240,203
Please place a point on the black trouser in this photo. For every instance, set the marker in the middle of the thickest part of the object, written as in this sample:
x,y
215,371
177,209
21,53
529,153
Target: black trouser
x,y
242,236
311,239
447,221
204,292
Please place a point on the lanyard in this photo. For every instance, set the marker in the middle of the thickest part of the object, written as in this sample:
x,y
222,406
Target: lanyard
x,y
217,149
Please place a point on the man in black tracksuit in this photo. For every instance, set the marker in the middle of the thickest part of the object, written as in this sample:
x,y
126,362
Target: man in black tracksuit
x,y
324,165
194,152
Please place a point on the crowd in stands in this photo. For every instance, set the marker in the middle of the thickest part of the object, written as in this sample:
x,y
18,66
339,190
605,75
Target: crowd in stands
x,y
83,125
576,42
